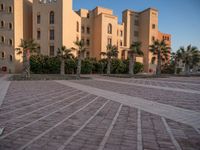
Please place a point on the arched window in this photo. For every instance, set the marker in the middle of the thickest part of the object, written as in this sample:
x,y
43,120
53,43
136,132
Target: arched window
x,y
10,42
10,9
11,58
2,39
2,24
3,55
2,7
77,26
10,26
109,28
51,17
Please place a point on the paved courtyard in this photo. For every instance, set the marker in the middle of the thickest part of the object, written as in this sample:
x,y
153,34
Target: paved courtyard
x,y
101,114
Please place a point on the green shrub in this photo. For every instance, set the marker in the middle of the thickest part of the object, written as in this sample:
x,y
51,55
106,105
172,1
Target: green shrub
x,y
86,66
118,66
138,67
70,66
41,64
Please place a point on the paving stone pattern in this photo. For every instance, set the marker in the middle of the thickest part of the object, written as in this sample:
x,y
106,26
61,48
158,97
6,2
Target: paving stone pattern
x,y
46,115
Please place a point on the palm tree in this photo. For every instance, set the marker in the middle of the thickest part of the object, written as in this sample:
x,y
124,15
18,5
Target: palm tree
x,y
81,50
27,47
175,58
161,51
63,53
135,49
110,53
190,56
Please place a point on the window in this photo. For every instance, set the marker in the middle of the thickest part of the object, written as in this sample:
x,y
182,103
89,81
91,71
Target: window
x,y
10,26
2,39
38,19
117,32
10,42
109,28
88,30
88,42
2,7
38,34
136,22
109,41
121,43
77,26
121,33
77,38
51,34
82,29
51,52
153,38
2,24
10,9
3,55
153,26
88,15
83,41
87,54
51,17
11,58
39,49
136,33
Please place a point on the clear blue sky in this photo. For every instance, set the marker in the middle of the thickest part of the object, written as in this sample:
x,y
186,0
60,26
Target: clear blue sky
x,y
180,18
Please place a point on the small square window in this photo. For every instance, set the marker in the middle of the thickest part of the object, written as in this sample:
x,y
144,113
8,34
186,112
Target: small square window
x,y
88,30
153,26
83,29
136,22
136,33
88,42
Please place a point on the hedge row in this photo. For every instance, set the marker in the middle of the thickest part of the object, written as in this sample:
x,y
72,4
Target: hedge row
x,y
51,65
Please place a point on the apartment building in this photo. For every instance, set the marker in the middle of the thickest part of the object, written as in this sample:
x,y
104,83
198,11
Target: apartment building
x,y
99,27
55,23
143,27
15,24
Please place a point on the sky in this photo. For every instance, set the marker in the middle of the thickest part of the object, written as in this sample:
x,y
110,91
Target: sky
x,y
180,18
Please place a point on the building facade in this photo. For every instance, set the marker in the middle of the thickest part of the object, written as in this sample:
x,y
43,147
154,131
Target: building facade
x,y
54,24
15,24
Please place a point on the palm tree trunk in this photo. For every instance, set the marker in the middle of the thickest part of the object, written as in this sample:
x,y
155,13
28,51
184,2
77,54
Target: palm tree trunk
x,y
175,67
62,67
187,69
158,69
108,66
26,65
78,68
131,64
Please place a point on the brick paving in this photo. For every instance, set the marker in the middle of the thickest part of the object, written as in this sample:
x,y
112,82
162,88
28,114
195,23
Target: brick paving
x,y
179,99
47,115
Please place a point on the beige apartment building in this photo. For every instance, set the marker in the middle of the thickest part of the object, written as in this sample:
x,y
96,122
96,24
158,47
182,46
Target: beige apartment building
x,y
54,23
15,24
